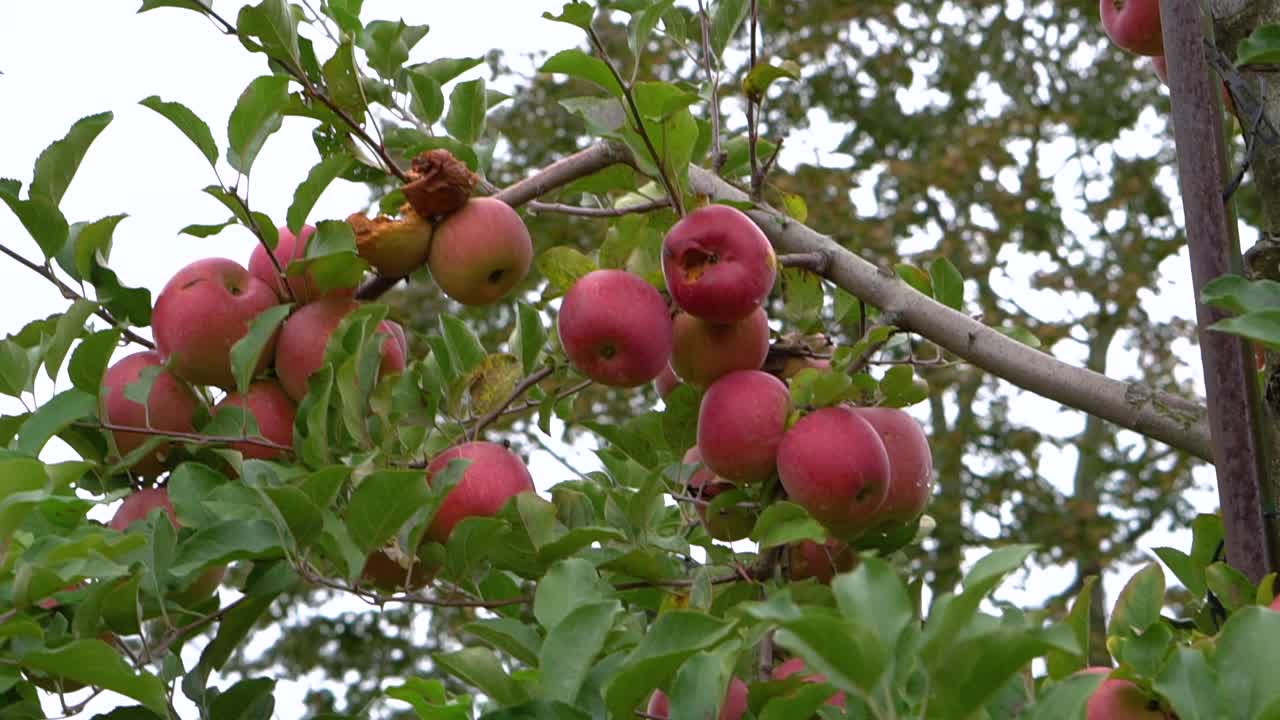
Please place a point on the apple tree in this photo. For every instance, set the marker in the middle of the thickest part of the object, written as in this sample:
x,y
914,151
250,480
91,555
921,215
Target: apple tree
x,y
744,549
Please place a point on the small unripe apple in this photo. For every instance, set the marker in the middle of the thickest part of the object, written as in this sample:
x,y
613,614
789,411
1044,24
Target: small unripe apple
x,y
273,410
494,476
666,382
834,464
728,524
733,707
1133,25
202,311
615,328
808,559
140,504
289,247
718,264
910,463
170,407
740,423
480,252
795,665
1117,699
300,350
702,351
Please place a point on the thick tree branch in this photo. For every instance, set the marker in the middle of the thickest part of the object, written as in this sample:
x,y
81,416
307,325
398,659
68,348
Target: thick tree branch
x,y
1175,421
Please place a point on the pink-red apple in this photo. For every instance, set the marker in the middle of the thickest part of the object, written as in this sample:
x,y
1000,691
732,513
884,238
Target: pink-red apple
x,y
733,707
202,311
494,476
1117,699
808,559
795,665
615,328
170,407
273,410
1133,25
834,464
718,265
300,350
290,247
702,351
140,504
740,424
910,463
666,382
480,252
729,524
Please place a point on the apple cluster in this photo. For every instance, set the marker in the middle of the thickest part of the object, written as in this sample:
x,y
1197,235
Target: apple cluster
x,y
209,305
857,470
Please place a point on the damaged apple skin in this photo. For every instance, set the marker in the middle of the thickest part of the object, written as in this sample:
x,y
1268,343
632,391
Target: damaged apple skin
x,y
718,265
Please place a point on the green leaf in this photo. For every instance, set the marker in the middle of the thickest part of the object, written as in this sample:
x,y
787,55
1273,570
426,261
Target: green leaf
x,y
948,285
342,80
671,640
427,99
89,360
1262,326
226,542
346,13
481,669
1066,698
1192,686
537,710
562,266
873,589
802,298
568,585
382,503
783,523
464,346
795,207
246,700
1230,586
641,26
53,416
1262,47
387,44
42,220
603,115
273,24
700,685
577,14
728,17
465,121
246,351
900,388
88,246
511,636
257,114
1248,648
70,325
580,65
1138,604
915,277
57,165
183,4
757,82
188,122
23,483
1062,664
93,662
571,648
305,197
442,70
532,334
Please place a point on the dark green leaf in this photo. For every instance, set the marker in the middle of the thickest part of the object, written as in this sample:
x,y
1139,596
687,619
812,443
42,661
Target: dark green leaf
x,y
783,523
948,285
188,122
481,669
1262,326
532,333
578,64
247,350
757,82
571,648
1138,605
90,358
57,165
568,585
382,503
1192,686
1248,648
427,98
51,417
93,662
257,114
70,325
42,220
246,700
1262,47
465,121
387,44
728,17
465,349
305,197
574,13
273,25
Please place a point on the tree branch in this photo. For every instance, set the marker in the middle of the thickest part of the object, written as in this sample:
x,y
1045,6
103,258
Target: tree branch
x,y
598,212
1173,420
191,437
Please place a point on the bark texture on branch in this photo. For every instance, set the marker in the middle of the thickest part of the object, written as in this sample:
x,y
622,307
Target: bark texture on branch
x,y
1170,419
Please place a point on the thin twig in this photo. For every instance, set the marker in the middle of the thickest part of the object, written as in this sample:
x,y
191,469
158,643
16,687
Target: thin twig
x,y
70,294
717,155
520,389
196,624
753,113
191,437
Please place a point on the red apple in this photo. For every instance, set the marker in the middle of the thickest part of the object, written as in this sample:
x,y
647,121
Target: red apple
x,y
615,328
718,265
703,351
910,463
794,665
1117,699
202,311
727,524
170,407
807,559
300,350
1133,25
494,476
834,464
140,504
480,252
273,410
741,422
733,707
666,382
290,247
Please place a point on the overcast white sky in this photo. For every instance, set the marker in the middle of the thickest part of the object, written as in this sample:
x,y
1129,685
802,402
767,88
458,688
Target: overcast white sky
x,y
64,59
